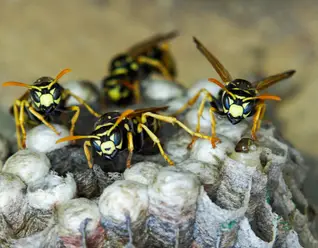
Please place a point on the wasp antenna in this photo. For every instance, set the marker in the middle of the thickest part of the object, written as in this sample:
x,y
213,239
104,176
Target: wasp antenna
x,y
12,83
268,97
195,39
291,72
69,138
61,74
126,113
222,86
217,82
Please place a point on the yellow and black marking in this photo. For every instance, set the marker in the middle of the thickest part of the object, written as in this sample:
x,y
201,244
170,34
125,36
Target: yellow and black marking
x,y
127,69
44,99
115,132
237,99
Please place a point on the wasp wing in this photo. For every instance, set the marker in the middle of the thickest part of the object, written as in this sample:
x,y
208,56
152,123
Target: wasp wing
x,y
220,69
267,82
147,44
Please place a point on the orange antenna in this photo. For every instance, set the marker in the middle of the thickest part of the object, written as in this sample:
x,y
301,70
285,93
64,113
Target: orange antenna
x,y
69,138
61,74
19,84
264,97
121,117
268,97
12,83
222,86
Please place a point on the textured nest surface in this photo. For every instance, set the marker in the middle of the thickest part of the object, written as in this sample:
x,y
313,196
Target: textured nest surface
x,y
222,197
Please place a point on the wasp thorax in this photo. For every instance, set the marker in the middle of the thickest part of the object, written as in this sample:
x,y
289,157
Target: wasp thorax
x,y
239,104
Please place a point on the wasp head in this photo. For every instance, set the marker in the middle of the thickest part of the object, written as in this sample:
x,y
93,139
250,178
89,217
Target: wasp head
x,y
45,93
123,64
45,96
239,100
108,141
116,90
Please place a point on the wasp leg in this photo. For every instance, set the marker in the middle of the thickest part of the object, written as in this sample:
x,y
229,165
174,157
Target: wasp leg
x,y
87,144
21,121
207,97
17,123
173,120
261,116
193,100
130,149
74,118
155,140
81,101
137,91
166,47
257,118
41,118
214,138
156,64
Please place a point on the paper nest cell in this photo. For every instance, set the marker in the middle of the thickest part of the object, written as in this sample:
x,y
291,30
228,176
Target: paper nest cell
x,y
43,139
162,90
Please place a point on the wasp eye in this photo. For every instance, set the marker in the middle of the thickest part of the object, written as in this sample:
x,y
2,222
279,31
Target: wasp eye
x,y
35,95
116,138
247,106
228,102
97,145
56,93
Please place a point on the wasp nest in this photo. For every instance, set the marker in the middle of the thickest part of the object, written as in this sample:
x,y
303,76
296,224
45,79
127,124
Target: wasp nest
x,y
240,194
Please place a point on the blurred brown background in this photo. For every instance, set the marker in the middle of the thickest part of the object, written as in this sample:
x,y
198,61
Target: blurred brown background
x,y
251,38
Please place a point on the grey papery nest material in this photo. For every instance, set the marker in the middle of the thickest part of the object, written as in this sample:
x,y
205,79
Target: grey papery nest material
x,y
211,198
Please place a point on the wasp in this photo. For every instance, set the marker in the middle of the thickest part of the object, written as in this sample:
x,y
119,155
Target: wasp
x,y
43,100
126,70
115,132
237,99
